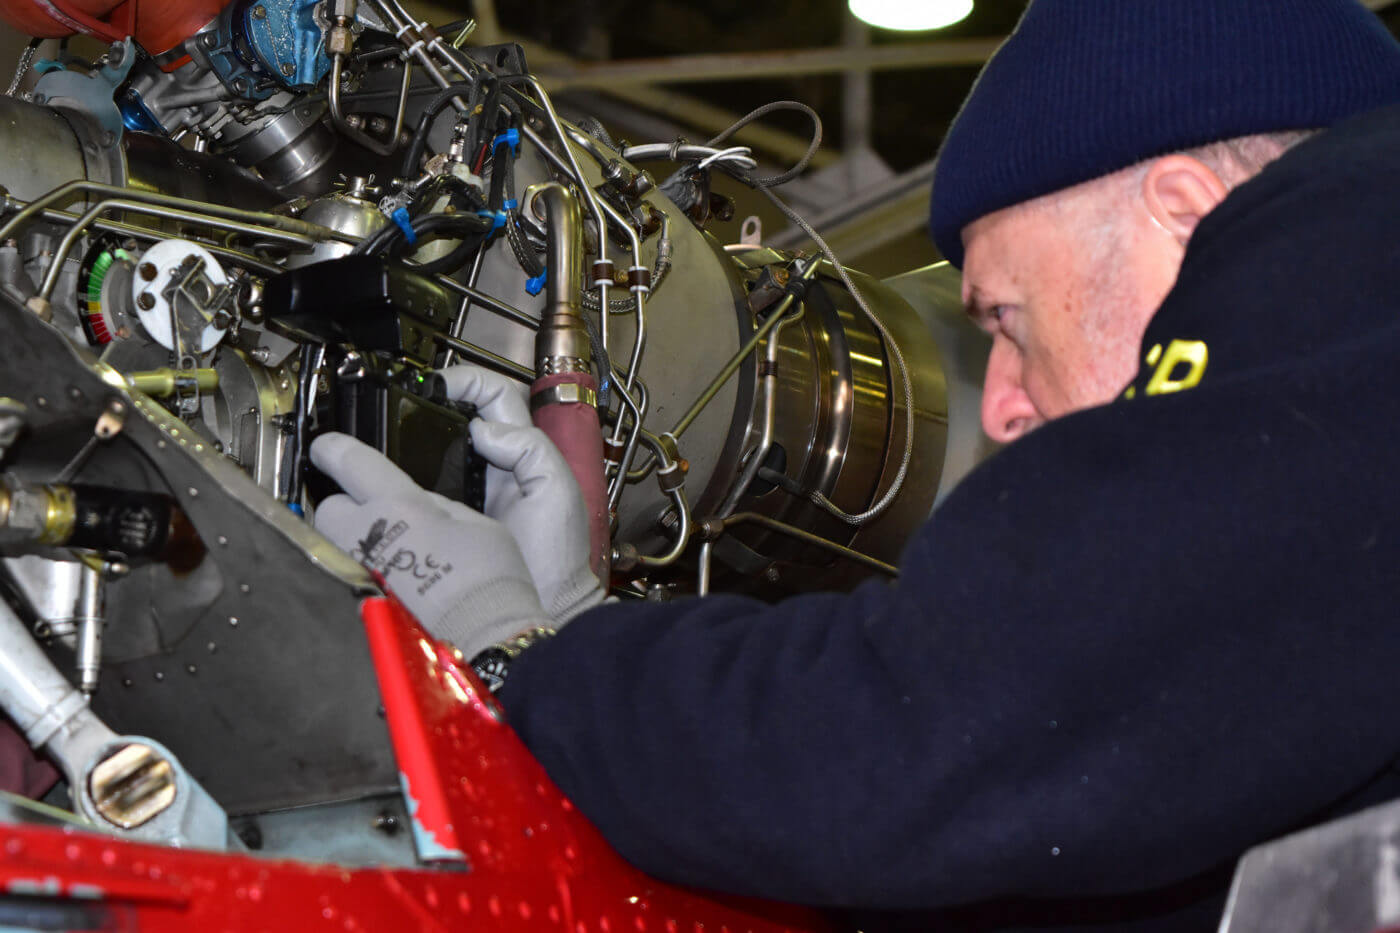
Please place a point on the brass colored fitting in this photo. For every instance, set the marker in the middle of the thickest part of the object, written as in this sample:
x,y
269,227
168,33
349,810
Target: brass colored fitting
x,y
133,786
163,383
60,516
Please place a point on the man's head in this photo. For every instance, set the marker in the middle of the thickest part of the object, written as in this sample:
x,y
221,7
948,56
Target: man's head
x,y
1088,152
1065,284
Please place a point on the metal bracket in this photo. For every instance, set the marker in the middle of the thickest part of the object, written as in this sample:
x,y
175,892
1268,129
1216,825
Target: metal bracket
x,y
93,95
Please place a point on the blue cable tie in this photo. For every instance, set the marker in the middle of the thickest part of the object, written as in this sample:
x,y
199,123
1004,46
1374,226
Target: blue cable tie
x,y
497,218
400,217
536,285
297,510
510,204
511,138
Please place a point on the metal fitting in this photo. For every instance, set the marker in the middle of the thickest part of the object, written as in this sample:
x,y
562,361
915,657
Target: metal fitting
x,y
35,514
163,383
566,393
132,786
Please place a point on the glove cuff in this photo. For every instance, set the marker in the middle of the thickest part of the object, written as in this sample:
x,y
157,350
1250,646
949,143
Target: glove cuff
x,y
490,613
577,592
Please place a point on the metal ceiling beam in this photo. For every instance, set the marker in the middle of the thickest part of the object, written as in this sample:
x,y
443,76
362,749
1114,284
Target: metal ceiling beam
x,y
685,69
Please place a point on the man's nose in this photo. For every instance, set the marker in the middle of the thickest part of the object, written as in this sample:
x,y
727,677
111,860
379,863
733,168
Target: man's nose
x,y
1007,412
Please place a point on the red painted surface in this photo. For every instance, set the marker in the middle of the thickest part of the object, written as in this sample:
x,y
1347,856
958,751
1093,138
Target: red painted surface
x,y
534,862
159,25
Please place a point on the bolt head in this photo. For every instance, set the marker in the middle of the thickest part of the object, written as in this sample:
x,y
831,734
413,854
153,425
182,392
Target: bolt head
x,y
259,12
289,69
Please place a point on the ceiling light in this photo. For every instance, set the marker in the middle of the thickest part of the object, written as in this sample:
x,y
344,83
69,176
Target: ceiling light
x,y
910,15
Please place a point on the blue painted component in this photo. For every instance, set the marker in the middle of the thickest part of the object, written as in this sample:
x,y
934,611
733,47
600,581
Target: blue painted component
x,y
511,138
287,41
400,216
44,65
535,285
136,115
228,50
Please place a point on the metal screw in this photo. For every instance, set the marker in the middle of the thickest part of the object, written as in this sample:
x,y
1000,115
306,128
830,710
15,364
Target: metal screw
x,y
289,69
209,40
147,270
259,12
145,301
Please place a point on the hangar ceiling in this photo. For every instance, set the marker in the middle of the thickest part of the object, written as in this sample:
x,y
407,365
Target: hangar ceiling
x,y
654,70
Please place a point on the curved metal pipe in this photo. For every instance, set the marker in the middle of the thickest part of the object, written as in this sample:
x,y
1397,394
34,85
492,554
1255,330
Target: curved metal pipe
x,y
65,246
563,379
201,209
357,135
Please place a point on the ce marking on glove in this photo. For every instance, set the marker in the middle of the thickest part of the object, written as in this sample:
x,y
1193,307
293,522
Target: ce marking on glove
x,y
374,546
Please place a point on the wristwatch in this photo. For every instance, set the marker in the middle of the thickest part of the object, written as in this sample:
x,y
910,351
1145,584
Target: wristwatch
x,y
492,665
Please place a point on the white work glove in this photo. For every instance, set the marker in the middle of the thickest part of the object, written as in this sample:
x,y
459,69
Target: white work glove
x,y
531,490
458,571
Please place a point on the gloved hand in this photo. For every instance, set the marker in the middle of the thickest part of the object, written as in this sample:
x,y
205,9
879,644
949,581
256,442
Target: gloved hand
x,y
531,490
458,571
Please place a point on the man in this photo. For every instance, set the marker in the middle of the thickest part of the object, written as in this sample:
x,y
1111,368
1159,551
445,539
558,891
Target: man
x,y
1157,629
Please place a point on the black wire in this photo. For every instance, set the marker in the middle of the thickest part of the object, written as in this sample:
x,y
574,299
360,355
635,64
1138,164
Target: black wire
x,y
420,135
390,239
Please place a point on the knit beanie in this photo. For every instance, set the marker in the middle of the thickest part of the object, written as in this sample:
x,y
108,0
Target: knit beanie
x,y
1084,88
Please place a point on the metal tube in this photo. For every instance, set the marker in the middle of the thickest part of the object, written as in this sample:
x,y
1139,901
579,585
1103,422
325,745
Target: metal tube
x,y
486,358
460,324
759,453
682,506
359,136
202,209
494,305
702,570
730,368
92,617
739,518
678,499
407,34
53,215
71,237
638,408
572,169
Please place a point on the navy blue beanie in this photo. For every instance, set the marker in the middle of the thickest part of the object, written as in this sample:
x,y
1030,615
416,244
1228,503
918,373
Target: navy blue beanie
x,y
1084,88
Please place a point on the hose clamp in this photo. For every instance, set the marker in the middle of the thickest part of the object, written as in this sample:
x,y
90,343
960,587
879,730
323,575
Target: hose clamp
x,y
565,393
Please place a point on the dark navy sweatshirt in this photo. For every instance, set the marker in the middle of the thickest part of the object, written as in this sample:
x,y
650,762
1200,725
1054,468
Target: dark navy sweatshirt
x,y
1128,647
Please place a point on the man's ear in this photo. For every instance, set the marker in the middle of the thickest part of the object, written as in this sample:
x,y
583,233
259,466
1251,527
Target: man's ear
x,y
1178,191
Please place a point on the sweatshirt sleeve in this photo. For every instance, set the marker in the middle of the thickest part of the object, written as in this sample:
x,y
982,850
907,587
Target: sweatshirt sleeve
x,y
1090,678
